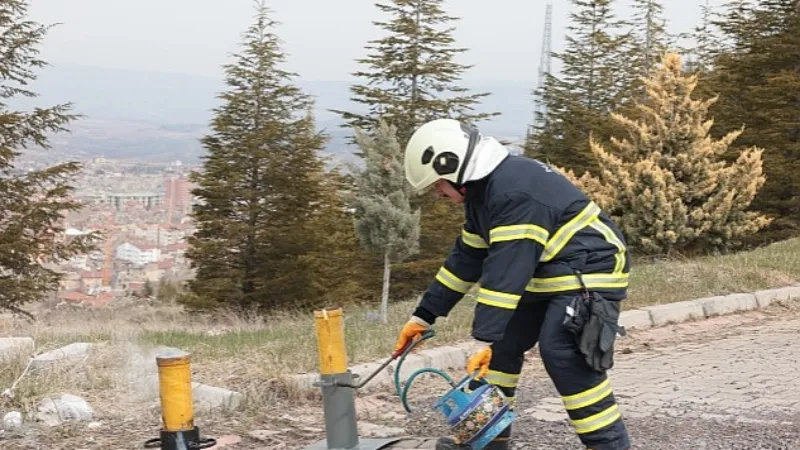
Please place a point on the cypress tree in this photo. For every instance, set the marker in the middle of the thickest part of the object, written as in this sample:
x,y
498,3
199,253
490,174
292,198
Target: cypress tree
x,y
32,203
411,72
668,184
384,221
410,77
260,187
757,78
596,78
651,37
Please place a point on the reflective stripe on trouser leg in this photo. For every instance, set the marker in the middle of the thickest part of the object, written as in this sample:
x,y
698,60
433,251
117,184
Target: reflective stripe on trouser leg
x,y
587,395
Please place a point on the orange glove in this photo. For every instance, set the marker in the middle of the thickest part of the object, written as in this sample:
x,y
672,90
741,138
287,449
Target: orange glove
x,y
412,330
480,359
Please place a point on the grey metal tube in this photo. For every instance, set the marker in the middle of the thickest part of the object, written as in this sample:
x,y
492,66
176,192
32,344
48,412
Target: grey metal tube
x,y
340,412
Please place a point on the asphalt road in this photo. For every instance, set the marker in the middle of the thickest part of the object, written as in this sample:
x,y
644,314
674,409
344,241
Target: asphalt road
x,y
729,383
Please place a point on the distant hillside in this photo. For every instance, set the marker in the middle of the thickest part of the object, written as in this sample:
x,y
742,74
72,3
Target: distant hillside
x,y
161,116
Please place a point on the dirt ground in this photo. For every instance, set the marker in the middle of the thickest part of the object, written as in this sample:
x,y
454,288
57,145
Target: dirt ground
x,y
710,355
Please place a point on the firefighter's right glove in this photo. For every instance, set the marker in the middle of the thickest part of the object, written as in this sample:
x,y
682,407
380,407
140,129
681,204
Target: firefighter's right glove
x,y
412,330
480,357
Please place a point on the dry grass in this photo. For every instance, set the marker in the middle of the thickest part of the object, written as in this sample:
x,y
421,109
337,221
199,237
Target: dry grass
x,y
250,354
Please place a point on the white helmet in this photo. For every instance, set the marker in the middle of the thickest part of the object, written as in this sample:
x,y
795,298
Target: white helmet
x,y
439,149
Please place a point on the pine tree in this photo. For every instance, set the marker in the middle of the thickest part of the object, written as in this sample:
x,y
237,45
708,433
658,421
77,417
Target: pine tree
x,y
32,203
411,73
384,221
411,77
652,39
706,46
260,184
757,79
596,79
669,186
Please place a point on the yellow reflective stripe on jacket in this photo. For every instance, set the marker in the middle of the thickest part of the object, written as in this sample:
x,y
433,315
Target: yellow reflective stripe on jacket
x,y
565,233
514,232
497,378
498,299
612,238
473,240
588,397
453,282
602,419
571,282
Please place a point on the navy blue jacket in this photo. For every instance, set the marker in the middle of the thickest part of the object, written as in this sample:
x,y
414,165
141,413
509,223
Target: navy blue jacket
x,y
527,227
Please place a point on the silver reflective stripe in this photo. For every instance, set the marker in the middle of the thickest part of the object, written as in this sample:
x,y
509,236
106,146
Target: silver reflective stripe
x,y
594,280
588,397
597,421
503,379
513,232
453,282
498,299
565,233
612,238
473,240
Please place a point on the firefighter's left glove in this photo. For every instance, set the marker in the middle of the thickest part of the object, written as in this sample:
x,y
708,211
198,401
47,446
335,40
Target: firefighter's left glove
x,y
481,356
412,330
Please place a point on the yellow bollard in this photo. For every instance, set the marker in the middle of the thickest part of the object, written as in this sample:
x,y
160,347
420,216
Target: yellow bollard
x,y
177,409
330,341
339,407
175,386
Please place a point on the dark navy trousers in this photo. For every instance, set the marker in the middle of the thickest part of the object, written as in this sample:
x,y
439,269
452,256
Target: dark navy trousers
x,y
586,394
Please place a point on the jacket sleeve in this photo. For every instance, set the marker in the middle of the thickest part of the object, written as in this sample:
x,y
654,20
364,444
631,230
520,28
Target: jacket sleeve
x,y
459,272
519,230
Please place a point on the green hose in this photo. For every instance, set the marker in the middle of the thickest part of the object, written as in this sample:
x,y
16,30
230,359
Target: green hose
x,y
403,392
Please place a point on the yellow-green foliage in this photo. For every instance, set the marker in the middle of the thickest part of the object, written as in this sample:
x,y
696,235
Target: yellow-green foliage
x,y
666,183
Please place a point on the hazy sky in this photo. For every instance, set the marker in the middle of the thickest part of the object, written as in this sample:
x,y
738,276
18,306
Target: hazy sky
x,y
323,38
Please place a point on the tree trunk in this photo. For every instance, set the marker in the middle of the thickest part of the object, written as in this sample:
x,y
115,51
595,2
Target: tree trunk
x,y
385,293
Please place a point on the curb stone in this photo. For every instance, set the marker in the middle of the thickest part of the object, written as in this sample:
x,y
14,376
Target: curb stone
x,y
454,356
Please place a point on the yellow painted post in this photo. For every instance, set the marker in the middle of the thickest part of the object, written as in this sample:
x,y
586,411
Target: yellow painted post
x,y
178,431
339,405
330,341
175,386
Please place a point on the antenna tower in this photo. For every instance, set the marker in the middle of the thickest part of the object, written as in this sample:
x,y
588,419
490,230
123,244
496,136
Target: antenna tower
x,y
544,62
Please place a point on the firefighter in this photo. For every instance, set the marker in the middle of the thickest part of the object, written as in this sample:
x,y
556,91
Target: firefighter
x,y
552,269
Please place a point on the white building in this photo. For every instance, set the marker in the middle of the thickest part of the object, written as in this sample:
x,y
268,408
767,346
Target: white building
x,y
138,254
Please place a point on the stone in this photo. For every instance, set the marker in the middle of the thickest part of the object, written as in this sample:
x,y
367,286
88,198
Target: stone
x,y
12,420
207,398
720,305
304,381
371,430
769,296
264,435
12,346
446,357
675,312
635,319
53,411
227,441
69,353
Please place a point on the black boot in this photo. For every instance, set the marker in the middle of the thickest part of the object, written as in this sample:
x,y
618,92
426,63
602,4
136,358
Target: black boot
x,y
447,443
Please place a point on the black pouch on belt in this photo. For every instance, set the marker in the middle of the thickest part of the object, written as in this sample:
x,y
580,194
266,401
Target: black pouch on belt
x,y
595,323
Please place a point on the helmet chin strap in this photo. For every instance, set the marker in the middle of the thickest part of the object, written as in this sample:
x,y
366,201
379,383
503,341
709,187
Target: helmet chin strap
x,y
474,135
